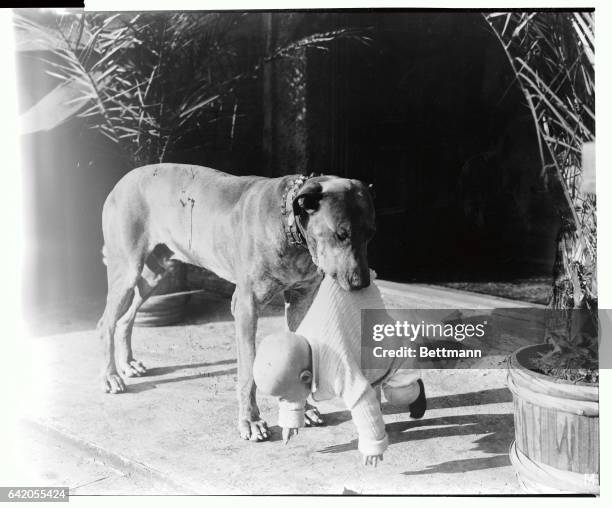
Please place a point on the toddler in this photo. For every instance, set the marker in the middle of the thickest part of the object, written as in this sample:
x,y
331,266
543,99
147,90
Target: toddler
x,y
322,360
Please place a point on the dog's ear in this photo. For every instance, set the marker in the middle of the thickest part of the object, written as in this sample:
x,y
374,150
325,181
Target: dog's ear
x,y
306,377
308,198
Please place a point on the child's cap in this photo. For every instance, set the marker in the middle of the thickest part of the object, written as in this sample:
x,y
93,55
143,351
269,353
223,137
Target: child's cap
x,y
280,359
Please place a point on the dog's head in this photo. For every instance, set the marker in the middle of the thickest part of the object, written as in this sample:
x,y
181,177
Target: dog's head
x,y
337,218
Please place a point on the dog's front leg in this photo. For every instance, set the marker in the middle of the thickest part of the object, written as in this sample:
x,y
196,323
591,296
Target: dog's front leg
x,y
244,309
297,303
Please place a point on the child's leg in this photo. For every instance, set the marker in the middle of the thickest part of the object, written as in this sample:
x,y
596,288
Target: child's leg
x,y
402,387
402,395
378,394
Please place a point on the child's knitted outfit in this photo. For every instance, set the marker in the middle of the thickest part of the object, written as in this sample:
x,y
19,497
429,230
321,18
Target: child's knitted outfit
x,y
332,327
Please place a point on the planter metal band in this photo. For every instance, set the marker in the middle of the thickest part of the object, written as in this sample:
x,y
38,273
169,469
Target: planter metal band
x,y
574,406
538,478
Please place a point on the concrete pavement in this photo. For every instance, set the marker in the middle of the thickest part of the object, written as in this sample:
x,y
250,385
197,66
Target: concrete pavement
x,y
174,430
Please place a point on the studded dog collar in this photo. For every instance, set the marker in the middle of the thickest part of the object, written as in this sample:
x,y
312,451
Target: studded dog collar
x,y
291,223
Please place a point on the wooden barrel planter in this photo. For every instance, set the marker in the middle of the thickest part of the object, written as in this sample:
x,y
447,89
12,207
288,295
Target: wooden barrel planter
x,y
556,428
168,303
203,283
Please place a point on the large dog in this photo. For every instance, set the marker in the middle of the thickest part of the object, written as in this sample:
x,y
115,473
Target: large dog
x,y
266,235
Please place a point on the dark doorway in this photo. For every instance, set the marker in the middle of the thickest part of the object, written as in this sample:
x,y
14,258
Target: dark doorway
x,y
429,113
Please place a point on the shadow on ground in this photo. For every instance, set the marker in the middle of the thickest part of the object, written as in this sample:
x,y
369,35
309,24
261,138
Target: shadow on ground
x,y
478,398
141,386
496,431
170,369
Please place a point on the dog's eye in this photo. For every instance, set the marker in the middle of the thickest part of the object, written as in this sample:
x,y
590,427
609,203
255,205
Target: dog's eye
x,y
342,235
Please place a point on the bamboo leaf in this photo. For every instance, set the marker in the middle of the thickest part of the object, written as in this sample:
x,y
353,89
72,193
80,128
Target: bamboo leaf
x,y
525,18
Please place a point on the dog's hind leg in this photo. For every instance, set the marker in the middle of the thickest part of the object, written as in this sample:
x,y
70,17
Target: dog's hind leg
x,y
127,364
152,274
122,279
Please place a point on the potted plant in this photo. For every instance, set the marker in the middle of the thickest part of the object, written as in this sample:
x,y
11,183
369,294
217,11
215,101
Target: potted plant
x,y
555,384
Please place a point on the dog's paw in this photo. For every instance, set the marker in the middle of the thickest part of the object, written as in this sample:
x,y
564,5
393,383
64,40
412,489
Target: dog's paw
x,y
253,430
133,368
113,383
312,417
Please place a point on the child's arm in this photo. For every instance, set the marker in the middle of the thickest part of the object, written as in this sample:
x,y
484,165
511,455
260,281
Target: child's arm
x,y
290,417
368,419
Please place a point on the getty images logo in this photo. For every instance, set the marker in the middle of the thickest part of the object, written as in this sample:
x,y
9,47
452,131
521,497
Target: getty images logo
x,y
412,331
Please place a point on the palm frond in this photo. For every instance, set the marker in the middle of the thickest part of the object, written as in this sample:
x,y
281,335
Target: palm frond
x,y
129,72
552,57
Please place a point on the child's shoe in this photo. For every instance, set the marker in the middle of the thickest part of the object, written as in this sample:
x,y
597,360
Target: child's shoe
x,y
418,407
